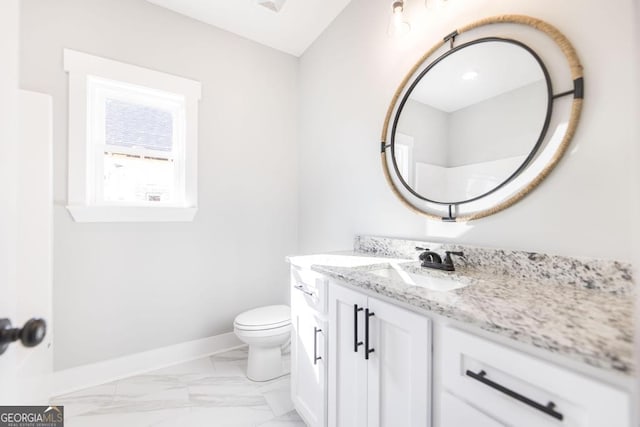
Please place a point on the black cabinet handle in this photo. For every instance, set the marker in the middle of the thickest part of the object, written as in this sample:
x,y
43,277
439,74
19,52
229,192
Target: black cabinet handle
x,y
367,350
30,335
356,343
303,290
549,409
315,345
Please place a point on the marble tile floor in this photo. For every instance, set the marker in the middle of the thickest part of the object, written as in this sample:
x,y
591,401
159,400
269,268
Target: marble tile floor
x,y
208,392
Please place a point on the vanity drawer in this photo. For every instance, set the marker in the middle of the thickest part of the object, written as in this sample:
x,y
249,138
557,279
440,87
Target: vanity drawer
x,y
310,287
519,389
456,413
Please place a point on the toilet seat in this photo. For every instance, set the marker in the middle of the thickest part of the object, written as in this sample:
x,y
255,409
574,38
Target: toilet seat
x,y
263,333
272,317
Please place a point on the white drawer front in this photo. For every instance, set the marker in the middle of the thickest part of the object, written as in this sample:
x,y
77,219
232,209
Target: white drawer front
x,y
509,384
456,413
311,287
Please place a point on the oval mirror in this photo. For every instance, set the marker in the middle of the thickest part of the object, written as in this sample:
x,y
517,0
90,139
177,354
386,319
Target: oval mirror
x,y
471,121
476,124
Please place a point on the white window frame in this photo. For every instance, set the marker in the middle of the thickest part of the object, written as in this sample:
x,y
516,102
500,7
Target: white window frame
x,y
82,203
404,147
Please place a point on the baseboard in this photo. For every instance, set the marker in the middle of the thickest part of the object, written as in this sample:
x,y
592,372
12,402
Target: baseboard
x,y
73,379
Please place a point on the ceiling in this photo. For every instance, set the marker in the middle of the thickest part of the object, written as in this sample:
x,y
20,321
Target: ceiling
x,y
291,30
500,67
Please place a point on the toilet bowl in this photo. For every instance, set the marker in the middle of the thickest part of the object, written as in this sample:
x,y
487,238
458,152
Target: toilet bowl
x,y
266,330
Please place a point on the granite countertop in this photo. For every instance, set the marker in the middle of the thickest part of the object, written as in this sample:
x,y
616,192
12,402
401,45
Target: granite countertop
x,y
588,325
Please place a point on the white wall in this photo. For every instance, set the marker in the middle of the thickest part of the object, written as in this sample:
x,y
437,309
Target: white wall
x,y
429,128
465,153
347,79
506,125
451,184
127,288
503,126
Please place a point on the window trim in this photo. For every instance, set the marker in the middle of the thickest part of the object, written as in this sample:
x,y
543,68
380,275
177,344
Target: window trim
x,y
80,205
406,142
105,213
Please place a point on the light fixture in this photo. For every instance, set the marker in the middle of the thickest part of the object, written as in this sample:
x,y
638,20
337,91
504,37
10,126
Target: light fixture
x,y
397,25
273,5
470,75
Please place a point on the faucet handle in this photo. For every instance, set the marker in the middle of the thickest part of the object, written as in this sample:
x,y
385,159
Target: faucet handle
x,y
418,248
448,262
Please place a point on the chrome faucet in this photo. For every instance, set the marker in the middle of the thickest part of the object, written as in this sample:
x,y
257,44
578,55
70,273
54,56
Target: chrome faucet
x,y
431,259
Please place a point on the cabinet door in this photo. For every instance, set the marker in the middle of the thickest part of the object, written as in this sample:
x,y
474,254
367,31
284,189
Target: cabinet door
x,y
308,368
347,367
456,413
399,367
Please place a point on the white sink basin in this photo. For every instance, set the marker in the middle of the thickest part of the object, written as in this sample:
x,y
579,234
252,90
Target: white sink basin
x,y
395,272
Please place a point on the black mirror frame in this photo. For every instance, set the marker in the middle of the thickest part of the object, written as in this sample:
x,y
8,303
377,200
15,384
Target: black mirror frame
x,y
430,66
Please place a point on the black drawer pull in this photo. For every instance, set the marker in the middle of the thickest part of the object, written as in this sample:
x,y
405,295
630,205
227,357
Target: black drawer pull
x,y
356,343
303,290
315,345
367,350
549,409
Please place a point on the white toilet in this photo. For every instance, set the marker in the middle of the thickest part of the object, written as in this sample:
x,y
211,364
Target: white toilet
x,y
266,330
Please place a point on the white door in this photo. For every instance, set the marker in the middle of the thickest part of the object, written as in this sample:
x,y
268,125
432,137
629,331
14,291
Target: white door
x,y
9,21
308,375
25,224
398,367
347,366
34,245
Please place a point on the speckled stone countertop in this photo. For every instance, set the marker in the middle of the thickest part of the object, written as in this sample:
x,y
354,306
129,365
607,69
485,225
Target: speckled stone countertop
x,y
569,312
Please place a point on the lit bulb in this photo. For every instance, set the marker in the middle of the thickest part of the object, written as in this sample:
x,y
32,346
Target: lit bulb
x,y
470,75
397,25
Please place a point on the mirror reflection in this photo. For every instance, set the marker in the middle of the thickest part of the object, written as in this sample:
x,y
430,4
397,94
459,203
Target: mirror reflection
x,y
472,121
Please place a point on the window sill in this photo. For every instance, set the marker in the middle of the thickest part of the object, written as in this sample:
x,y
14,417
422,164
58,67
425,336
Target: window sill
x,y
132,213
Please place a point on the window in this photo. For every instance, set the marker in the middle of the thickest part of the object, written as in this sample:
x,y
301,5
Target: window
x,y
132,142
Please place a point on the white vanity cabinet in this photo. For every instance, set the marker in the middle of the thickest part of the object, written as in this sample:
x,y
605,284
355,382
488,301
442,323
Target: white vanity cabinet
x,y
359,361
379,363
308,346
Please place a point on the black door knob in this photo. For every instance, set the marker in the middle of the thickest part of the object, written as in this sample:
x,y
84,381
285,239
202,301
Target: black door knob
x,y
30,335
